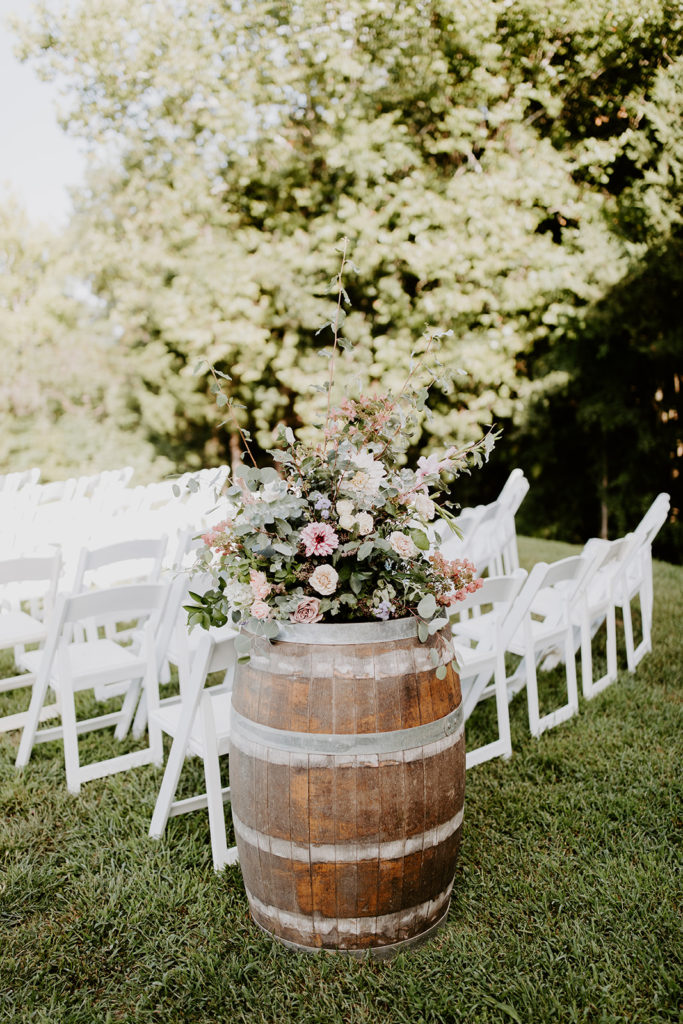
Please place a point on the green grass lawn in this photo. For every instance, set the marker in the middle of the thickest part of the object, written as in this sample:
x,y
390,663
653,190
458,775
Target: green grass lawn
x,y
565,905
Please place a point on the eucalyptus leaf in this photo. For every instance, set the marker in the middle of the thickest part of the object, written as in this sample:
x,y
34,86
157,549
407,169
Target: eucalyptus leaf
x,y
365,550
427,606
420,539
242,644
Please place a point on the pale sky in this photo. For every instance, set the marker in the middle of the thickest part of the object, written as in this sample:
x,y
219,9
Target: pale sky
x,y
38,161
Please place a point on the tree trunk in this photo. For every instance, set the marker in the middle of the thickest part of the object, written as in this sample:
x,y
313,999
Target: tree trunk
x,y
604,512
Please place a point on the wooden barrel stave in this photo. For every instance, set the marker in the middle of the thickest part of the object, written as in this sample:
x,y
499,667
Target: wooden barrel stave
x,y
344,851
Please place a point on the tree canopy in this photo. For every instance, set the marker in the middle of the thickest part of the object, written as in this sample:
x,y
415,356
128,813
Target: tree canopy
x,y
510,171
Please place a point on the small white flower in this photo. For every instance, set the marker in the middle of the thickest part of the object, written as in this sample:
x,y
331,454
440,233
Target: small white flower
x,y
344,508
366,523
347,522
237,593
324,579
424,506
402,544
368,477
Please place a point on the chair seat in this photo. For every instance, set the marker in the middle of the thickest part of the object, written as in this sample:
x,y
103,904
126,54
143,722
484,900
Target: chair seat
x,y
168,716
473,658
20,628
93,662
476,628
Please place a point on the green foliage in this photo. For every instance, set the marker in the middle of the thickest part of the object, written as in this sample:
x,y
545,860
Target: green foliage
x,y
58,406
501,169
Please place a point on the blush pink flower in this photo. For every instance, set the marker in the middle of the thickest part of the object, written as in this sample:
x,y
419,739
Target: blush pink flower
x,y
319,539
260,587
260,610
324,579
402,544
307,610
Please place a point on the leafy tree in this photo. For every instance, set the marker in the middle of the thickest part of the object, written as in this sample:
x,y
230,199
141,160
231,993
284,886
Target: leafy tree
x,y
58,408
481,158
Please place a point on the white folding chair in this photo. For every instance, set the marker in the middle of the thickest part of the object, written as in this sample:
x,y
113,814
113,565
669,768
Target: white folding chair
x,y
26,621
130,561
624,573
552,633
199,722
68,668
598,605
636,581
481,641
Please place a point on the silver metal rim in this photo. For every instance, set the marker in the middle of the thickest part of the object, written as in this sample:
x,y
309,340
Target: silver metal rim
x,y
340,633
387,952
346,743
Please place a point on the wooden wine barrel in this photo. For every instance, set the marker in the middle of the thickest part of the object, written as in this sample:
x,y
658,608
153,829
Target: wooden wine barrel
x,y
347,777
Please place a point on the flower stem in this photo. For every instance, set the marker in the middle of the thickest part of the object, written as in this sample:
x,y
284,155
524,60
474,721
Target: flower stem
x,y
234,418
340,292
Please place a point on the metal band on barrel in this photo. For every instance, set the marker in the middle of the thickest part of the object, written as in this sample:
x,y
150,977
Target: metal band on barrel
x,y
346,743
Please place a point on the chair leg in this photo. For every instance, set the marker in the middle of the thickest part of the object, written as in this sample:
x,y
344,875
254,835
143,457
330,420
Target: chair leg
x,y
70,737
502,706
611,643
140,720
169,785
28,735
532,694
628,634
586,657
219,846
128,707
570,662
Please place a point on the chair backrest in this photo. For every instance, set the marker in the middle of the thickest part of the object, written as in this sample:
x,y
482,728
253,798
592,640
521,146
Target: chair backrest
x,y
521,606
501,593
189,541
16,572
214,654
124,558
57,490
10,483
563,581
135,601
476,522
614,556
514,491
653,520
489,535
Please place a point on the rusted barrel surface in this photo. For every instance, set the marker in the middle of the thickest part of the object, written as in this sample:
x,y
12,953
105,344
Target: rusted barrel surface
x,y
347,777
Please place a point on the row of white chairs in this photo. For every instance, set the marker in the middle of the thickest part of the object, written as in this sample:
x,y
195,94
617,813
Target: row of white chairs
x,y
101,510
80,651
547,617
544,616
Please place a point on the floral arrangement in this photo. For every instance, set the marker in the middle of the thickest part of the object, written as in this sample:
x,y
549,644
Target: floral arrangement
x,y
342,530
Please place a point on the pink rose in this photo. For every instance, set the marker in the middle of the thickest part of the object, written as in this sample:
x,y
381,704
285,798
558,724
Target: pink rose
x,y
260,610
307,610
